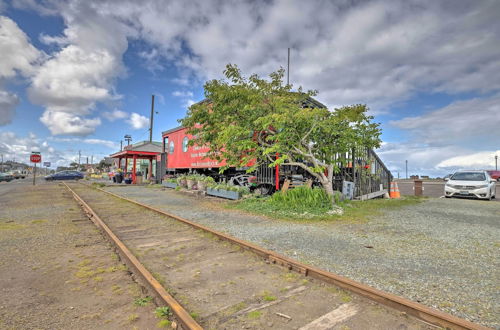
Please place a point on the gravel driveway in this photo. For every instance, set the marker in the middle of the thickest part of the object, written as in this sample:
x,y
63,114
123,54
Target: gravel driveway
x,y
442,253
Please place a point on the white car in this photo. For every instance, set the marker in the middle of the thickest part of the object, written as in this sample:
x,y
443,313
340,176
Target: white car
x,y
476,184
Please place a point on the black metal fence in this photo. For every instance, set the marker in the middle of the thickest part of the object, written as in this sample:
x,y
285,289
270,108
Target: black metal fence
x,y
363,168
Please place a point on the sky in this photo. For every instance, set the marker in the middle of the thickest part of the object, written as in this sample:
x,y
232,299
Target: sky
x,y
78,75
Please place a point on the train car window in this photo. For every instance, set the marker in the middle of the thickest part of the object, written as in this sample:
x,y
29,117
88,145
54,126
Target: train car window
x,y
171,147
185,144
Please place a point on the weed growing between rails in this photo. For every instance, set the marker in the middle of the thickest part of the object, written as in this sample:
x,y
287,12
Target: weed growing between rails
x,y
307,204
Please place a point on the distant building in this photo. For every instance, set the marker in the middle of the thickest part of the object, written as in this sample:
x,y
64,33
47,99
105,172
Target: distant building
x,y
413,177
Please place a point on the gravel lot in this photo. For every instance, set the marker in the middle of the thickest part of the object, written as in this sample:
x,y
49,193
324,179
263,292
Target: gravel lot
x,y
442,253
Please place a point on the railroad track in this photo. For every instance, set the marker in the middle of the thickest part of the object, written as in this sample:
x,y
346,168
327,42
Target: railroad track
x,y
227,283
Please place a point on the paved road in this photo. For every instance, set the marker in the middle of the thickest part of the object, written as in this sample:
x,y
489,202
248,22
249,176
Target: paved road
x,y
432,189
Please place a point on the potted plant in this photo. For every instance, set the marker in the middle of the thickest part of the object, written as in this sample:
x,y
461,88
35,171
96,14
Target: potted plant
x,y
204,181
182,181
227,191
170,183
191,181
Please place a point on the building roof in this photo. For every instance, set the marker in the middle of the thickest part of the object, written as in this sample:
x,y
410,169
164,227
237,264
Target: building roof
x,y
143,148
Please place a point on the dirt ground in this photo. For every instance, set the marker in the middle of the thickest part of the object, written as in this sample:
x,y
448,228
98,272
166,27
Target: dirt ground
x,y
56,269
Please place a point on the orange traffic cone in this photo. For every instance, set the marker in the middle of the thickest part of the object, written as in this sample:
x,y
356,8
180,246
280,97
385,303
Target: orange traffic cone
x,y
394,190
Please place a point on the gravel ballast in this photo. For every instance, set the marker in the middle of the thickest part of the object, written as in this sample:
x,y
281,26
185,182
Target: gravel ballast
x,y
442,253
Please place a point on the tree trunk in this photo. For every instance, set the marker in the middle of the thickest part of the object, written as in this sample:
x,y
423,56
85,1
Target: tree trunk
x,y
328,186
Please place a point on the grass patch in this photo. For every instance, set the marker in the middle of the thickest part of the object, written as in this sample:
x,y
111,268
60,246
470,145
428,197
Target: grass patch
x,y
10,226
163,311
163,324
267,296
316,210
98,184
38,221
254,315
133,318
143,301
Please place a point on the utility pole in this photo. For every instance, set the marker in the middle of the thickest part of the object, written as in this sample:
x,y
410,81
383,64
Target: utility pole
x,y
121,145
151,118
406,168
79,158
496,162
128,138
288,69
92,160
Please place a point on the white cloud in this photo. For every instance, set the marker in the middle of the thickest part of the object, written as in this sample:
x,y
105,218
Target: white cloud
x,y
475,120
19,147
106,143
60,123
478,160
82,72
18,56
138,121
189,102
378,52
8,102
115,114
182,94
17,52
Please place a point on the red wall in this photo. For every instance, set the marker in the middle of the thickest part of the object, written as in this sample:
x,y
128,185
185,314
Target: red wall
x,y
193,158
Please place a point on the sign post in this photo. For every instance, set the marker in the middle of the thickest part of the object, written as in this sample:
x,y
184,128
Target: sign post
x,y
35,158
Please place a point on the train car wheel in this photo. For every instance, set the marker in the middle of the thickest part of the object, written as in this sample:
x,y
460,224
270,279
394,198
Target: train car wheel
x,y
265,189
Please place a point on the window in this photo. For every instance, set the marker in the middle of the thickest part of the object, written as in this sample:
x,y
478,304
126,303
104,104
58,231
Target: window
x,y
185,142
171,147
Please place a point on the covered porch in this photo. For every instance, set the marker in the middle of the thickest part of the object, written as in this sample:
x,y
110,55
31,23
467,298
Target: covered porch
x,y
135,153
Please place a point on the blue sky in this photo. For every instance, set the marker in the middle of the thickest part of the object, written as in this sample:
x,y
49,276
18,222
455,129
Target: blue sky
x,y
78,75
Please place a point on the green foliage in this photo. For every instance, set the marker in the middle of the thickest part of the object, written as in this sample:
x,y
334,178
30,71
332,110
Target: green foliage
x,y
142,301
163,311
303,198
163,324
254,119
224,186
353,211
254,315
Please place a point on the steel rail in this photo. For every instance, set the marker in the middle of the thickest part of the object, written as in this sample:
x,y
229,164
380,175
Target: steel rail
x,y
422,312
186,321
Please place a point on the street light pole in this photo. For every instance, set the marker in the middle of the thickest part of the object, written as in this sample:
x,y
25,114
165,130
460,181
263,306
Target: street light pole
x,y
496,163
406,162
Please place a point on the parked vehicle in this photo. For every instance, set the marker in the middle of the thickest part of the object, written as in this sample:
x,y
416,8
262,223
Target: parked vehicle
x,y
17,175
6,177
65,175
476,184
494,174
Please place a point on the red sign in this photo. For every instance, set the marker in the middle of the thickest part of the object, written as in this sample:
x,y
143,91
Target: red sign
x,y
35,158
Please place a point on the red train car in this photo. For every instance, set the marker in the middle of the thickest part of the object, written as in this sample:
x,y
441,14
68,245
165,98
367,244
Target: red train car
x,y
180,157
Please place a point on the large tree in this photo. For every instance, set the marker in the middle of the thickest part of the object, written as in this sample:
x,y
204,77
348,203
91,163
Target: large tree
x,y
245,119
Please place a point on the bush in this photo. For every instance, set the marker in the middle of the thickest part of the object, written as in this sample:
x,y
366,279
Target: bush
x,y
224,186
303,197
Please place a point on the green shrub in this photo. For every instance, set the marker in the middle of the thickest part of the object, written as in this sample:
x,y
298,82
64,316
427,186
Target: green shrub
x,y
224,186
303,197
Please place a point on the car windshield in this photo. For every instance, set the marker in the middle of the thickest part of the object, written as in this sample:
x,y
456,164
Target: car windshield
x,y
469,176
